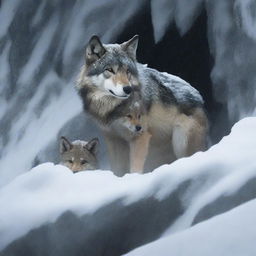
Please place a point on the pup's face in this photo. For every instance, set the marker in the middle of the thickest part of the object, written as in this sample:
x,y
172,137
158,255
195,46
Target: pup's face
x,y
79,155
134,118
112,67
135,123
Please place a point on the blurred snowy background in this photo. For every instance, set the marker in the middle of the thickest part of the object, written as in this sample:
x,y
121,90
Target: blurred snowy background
x,y
209,43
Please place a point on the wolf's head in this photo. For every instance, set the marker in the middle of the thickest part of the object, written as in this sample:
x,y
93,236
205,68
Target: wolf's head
x,y
112,67
79,155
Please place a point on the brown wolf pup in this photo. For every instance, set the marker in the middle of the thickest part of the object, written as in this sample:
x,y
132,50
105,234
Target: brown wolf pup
x,y
133,128
79,155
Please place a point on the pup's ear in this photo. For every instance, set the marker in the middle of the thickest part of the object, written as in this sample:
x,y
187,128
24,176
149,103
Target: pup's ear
x,y
94,50
65,145
131,46
92,145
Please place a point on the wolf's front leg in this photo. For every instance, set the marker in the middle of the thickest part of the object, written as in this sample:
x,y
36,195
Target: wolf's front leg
x,y
138,152
118,152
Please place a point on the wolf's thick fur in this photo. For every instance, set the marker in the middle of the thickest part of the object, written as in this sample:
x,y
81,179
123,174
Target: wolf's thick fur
x,y
79,155
175,115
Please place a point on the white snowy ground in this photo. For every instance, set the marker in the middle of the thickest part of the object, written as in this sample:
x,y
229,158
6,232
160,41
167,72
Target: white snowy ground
x,y
44,193
229,234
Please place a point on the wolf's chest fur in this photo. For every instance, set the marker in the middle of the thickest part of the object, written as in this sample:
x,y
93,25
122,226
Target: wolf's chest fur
x,y
98,104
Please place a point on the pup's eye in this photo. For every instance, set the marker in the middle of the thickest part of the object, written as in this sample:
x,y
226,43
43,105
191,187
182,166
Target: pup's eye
x,y
70,161
110,70
129,116
83,162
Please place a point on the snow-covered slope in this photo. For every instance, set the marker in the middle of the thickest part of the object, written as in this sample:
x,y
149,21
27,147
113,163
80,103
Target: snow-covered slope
x,y
229,234
51,211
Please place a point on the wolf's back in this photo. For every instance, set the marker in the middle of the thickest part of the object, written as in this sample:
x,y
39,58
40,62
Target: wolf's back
x,y
170,89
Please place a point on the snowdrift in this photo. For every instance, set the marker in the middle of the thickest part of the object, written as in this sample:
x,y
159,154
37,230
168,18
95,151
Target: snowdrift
x,y
232,233
51,211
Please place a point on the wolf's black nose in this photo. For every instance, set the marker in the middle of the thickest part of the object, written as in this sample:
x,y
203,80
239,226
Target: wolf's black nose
x,y
127,89
138,128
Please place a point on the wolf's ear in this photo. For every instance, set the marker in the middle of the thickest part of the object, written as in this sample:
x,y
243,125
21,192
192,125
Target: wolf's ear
x,y
92,145
65,145
94,50
131,46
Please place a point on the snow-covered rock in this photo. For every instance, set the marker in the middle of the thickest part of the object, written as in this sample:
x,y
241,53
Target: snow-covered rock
x,y
229,234
51,211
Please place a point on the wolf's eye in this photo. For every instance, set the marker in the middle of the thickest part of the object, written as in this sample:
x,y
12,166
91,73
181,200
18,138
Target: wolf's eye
x,y
110,70
83,162
128,72
70,161
129,116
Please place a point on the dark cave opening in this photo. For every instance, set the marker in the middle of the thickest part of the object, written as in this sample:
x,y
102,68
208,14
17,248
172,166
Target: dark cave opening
x,y
186,56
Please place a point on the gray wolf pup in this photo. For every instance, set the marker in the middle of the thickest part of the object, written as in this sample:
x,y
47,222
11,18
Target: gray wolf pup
x,y
174,109
79,155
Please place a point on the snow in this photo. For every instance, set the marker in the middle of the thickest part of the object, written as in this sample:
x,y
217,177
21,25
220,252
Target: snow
x,y
164,9
7,13
224,187
229,234
25,139
245,10
182,12
44,193
42,46
48,190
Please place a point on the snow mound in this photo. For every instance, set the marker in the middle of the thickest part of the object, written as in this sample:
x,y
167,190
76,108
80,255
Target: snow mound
x,y
232,233
47,191
44,193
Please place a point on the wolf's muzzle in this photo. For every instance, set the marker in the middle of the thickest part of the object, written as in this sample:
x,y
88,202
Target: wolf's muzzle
x,y
127,89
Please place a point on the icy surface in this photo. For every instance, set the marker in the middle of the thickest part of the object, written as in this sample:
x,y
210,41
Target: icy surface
x,y
44,193
229,234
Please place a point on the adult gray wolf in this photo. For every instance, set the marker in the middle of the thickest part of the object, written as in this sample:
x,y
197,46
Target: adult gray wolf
x,y
79,155
175,114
